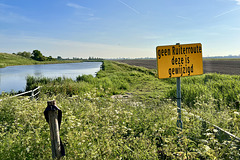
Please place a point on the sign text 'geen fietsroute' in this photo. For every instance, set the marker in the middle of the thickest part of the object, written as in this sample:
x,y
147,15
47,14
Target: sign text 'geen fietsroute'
x,y
179,60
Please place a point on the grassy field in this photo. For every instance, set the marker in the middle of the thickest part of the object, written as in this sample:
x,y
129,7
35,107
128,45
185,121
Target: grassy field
x,y
12,60
125,113
222,66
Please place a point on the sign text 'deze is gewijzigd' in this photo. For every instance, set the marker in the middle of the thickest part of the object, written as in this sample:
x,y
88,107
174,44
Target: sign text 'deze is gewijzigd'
x,y
179,60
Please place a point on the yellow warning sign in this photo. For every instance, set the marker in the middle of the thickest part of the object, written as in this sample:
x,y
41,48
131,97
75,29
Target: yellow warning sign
x,y
179,60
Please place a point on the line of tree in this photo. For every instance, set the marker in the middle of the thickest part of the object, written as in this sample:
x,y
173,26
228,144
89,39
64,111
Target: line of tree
x,y
35,55
38,56
95,58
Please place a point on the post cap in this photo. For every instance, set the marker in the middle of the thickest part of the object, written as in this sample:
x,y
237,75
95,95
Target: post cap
x,y
51,103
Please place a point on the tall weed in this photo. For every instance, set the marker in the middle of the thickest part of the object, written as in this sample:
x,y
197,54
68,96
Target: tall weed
x,y
223,88
143,126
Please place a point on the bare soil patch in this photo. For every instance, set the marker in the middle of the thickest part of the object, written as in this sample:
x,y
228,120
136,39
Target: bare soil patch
x,y
231,67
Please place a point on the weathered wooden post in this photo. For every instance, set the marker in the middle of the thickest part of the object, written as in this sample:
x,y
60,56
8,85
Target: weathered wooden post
x,y
53,116
32,95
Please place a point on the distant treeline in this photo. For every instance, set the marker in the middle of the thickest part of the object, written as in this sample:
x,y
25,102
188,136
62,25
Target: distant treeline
x,y
38,56
84,59
224,57
35,55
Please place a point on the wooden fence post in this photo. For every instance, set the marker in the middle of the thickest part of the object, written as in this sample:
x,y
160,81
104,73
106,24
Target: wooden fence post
x,y
54,131
32,95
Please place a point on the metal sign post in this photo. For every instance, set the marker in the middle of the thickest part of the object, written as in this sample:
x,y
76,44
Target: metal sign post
x,y
176,61
179,109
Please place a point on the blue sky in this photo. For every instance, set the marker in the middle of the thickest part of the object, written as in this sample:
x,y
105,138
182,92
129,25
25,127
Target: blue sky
x,y
118,28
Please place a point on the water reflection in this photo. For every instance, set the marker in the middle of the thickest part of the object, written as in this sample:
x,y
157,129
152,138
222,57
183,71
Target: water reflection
x,y
14,77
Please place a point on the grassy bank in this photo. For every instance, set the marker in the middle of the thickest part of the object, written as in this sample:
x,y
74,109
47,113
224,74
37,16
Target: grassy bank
x,y
13,60
10,60
123,113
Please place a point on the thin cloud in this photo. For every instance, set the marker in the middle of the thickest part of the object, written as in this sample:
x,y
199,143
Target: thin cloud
x,y
227,12
11,17
185,18
59,47
83,12
76,6
131,8
152,37
8,15
234,29
2,5
238,2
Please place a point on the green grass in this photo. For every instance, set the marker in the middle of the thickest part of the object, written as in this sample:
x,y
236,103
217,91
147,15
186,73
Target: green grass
x,y
96,126
224,89
12,60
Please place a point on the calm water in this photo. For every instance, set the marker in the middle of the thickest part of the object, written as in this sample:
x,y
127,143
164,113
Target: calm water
x,y
13,78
